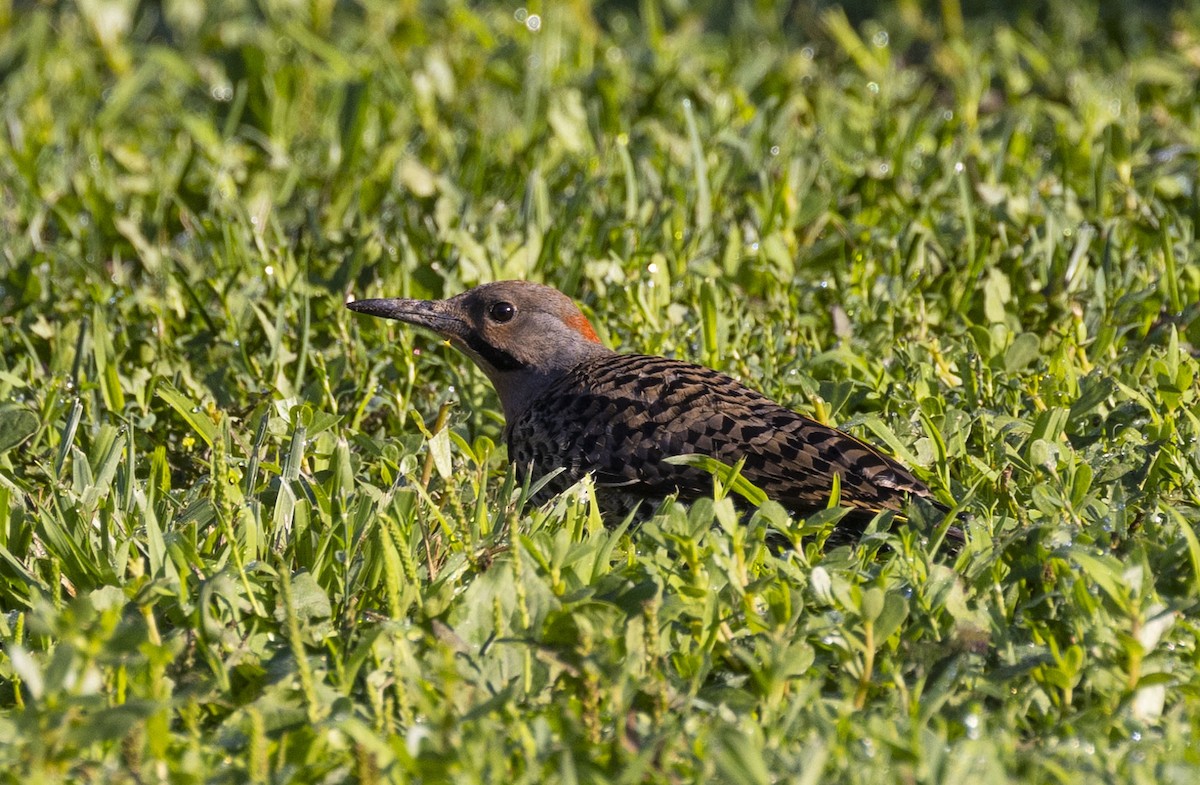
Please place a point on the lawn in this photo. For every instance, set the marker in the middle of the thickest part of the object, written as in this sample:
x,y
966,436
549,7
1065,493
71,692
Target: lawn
x,y
249,536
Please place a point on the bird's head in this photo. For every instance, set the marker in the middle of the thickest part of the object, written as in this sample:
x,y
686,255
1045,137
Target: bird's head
x,y
522,335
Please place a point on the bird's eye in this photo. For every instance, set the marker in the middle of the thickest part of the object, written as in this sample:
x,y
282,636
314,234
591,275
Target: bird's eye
x,y
502,312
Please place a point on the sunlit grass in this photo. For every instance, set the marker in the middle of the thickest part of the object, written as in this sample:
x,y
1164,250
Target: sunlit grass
x,y
246,535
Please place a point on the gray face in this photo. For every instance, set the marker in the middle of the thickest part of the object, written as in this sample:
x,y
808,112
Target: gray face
x,y
520,334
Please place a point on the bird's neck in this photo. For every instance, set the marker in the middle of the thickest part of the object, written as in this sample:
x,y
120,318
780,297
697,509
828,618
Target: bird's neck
x,y
519,389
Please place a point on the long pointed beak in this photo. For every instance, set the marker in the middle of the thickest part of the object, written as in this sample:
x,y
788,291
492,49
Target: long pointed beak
x,y
431,314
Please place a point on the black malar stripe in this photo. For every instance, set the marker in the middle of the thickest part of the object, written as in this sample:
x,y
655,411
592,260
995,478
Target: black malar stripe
x,y
492,355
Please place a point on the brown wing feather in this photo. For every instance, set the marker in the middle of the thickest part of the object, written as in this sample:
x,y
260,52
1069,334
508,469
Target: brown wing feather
x,y
619,416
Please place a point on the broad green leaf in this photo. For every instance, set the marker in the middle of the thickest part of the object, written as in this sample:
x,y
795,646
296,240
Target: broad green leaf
x,y
729,476
17,424
190,411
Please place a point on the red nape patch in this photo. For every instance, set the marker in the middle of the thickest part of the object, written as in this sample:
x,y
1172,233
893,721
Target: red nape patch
x,y
579,323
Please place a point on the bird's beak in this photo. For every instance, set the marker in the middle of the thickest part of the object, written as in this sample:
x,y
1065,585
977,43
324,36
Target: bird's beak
x,y
436,315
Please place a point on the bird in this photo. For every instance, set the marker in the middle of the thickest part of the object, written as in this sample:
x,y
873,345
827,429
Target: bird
x,y
574,404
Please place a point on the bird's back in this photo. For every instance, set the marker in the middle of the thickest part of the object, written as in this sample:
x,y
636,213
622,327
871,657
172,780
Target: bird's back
x,y
619,416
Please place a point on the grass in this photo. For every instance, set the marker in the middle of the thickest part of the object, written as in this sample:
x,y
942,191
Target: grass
x,y
248,536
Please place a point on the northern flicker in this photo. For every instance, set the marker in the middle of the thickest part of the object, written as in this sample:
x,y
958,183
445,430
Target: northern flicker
x,y
572,403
